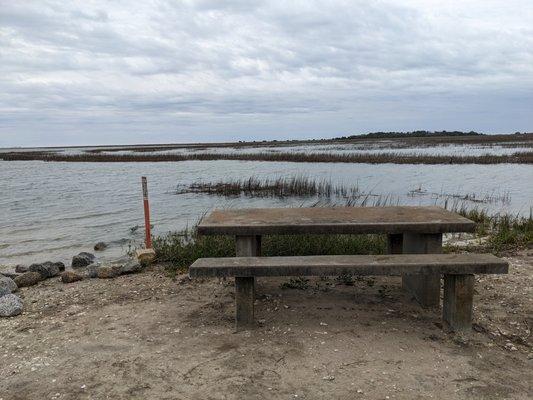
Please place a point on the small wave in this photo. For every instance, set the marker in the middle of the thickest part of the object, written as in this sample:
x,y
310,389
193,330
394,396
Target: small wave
x,y
43,250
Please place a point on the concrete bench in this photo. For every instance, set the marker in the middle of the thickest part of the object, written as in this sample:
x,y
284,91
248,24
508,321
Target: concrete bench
x,y
458,271
409,230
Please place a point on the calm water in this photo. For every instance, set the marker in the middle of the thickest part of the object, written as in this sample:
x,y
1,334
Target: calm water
x,y
54,210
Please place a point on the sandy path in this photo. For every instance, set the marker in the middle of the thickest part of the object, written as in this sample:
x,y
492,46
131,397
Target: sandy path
x,y
149,337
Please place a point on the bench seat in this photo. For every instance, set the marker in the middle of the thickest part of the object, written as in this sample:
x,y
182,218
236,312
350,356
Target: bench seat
x,y
392,264
458,271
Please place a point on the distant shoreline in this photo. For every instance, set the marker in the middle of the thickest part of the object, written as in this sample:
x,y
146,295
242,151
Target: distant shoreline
x,y
408,139
141,153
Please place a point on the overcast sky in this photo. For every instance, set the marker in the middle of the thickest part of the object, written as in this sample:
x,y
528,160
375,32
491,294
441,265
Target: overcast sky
x,y
103,72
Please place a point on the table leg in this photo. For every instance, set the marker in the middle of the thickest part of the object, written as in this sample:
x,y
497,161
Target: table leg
x,y
425,288
245,246
395,244
458,298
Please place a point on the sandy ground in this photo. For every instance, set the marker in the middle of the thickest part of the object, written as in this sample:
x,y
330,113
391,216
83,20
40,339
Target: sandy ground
x,y
150,337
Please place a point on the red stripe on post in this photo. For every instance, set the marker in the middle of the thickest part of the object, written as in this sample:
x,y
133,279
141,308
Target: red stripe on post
x,y
148,240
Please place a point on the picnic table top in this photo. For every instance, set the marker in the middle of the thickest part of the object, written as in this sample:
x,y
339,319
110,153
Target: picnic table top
x,y
333,220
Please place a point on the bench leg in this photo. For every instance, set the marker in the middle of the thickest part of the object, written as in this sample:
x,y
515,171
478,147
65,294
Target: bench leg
x,y
458,297
425,288
245,246
244,303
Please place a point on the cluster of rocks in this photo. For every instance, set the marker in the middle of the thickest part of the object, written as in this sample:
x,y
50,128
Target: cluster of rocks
x,y
84,265
103,271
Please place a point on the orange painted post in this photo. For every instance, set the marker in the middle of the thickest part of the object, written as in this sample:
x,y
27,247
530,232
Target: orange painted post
x,y
146,214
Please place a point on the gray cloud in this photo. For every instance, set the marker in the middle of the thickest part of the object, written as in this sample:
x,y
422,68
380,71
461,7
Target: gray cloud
x,y
114,72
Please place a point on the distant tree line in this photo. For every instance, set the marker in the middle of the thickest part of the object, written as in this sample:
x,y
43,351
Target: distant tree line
x,y
413,134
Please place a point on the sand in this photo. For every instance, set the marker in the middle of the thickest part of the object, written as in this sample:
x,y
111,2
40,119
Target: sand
x,y
148,336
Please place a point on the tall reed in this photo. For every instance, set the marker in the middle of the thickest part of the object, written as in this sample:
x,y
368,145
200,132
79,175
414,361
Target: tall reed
x,y
328,157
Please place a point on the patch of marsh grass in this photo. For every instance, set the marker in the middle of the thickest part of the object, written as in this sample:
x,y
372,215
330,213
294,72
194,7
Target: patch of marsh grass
x,y
327,157
181,249
293,186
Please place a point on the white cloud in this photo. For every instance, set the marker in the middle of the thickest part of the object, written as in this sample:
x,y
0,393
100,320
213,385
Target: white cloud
x,y
95,72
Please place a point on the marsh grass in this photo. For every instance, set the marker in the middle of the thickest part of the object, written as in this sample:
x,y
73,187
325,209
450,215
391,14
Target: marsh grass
x,y
295,186
318,157
327,193
484,198
183,248
504,232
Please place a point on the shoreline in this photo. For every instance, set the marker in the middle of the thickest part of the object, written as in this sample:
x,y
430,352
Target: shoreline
x,y
408,141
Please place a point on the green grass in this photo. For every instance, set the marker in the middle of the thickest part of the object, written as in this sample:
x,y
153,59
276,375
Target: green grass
x,y
181,249
505,232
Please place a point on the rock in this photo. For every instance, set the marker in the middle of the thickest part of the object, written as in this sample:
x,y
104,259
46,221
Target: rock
x,y
7,285
10,305
145,256
107,271
60,265
47,269
70,276
9,274
29,278
21,268
82,260
131,267
92,270
100,246
511,347
53,268
40,268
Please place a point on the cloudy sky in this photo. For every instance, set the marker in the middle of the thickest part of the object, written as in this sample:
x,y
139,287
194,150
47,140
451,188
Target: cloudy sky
x,y
102,72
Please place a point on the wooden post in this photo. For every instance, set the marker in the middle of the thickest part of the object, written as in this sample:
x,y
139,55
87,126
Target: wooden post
x,y
148,240
425,288
458,298
245,246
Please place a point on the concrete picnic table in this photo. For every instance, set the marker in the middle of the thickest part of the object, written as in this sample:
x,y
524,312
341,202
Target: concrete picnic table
x,y
410,230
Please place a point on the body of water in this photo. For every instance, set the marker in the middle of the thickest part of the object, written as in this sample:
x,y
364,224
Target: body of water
x,y
53,210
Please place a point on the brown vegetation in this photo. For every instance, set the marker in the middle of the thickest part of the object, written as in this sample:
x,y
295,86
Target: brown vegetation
x,y
394,158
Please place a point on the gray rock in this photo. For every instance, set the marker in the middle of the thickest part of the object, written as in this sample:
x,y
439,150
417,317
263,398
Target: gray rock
x,y
82,260
47,269
9,274
53,268
29,278
108,271
21,268
10,305
70,276
60,265
100,246
40,268
7,285
131,267
92,270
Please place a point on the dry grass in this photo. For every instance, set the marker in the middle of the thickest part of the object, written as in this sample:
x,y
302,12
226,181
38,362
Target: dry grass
x,y
393,158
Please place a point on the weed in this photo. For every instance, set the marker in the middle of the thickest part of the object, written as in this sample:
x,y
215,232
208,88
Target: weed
x,y
299,283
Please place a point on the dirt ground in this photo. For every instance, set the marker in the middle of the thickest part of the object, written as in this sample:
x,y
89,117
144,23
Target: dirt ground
x,y
148,336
